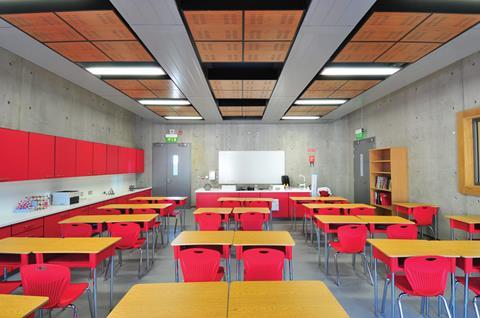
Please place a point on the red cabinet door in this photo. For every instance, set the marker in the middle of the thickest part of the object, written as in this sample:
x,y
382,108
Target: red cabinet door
x,y
51,228
132,160
207,200
84,158
14,148
123,159
99,159
140,164
65,157
41,156
112,159
282,198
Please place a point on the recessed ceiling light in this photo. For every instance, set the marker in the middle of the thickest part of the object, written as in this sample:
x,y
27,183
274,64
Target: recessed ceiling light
x,y
183,117
312,102
126,70
167,102
359,71
301,117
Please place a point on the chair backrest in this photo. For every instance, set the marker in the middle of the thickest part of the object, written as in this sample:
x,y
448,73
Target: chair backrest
x,y
263,264
361,211
199,264
402,231
252,221
45,280
76,230
144,211
427,275
327,211
230,204
129,232
209,221
352,237
258,204
423,215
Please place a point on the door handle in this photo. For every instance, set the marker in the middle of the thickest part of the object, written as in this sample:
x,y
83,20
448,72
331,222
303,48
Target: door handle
x,y
169,180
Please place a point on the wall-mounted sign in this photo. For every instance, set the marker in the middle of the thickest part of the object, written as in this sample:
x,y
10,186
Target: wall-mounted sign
x,y
360,133
171,138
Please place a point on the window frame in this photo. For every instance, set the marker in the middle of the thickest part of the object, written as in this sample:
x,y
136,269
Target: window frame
x,y
467,152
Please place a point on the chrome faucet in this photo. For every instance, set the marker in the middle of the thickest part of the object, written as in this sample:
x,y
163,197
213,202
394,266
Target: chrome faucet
x,y
302,185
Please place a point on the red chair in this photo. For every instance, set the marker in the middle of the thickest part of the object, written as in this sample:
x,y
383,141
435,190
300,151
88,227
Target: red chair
x,y
76,230
425,276
474,286
8,287
351,240
53,281
209,221
170,212
231,204
402,231
258,204
361,211
263,264
200,265
250,221
156,226
130,239
423,217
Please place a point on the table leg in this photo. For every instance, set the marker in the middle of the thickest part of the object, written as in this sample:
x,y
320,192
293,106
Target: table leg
x,y
111,281
239,269
452,233
392,295
290,269
317,231
326,251
176,271
465,296
227,265
437,236
168,228
452,294
94,283
284,269
148,249
375,287
153,246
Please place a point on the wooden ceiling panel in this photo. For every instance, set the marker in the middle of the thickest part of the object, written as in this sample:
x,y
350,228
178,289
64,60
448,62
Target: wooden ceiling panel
x,y
215,25
253,111
442,27
266,51
257,94
231,111
159,84
220,51
138,93
79,51
276,25
259,85
185,110
326,85
126,84
316,94
407,52
228,94
102,25
388,26
362,51
226,85
299,110
321,110
45,27
162,110
360,85
168,93
124,51
345,94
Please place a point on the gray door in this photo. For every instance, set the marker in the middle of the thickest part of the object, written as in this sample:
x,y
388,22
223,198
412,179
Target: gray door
x,y
172,170
361,169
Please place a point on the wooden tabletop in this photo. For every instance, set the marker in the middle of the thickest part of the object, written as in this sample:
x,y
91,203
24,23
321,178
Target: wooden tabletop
x,y
22,245
337,206
409,248
174,300
221,199
204,238
257,199
384,219
469,219
466,248
253,209
410,205
15,306
270,238
283,299
123,206
307,198
110,218
80,245
213,210
339,219
158,198
329,199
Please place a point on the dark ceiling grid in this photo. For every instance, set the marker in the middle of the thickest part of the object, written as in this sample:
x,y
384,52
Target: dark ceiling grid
x,y
86,46
242,70
400,51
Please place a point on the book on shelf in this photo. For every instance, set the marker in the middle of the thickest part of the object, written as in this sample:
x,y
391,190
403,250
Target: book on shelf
x,y
383,182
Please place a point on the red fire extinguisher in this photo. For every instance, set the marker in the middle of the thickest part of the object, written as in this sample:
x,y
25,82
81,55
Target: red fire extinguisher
x,y
311,160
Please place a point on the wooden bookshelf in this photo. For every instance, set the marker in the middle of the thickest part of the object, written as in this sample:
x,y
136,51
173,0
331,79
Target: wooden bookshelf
x,y
388,177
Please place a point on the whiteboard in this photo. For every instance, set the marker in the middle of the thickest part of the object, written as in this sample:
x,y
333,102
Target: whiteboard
x,y
251,167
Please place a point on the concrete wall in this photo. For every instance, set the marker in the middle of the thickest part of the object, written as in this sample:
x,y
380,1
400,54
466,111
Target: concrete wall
x,y
421,116
331,165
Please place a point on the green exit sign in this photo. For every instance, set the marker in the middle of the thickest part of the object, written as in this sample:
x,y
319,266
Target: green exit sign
x,y
360,133
171,138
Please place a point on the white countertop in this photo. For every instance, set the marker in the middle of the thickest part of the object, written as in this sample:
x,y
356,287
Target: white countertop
x,y
14,218
202,190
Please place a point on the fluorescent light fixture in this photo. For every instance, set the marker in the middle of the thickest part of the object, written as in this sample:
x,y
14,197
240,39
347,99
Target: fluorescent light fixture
x,y
301,117
183,117
166,102
359,71
126,70
312,102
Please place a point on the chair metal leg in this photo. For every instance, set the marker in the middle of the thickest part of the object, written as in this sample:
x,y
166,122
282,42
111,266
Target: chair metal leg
x,y
384,298
354,256
140,263
439,307
475,306
427,307
336,269
175,227
399,303
327,259
90,307
74,310
49,313
305,226
365,264
107,270
445,304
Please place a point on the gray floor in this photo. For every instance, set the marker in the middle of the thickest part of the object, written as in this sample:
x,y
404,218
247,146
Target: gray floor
x,y
354,293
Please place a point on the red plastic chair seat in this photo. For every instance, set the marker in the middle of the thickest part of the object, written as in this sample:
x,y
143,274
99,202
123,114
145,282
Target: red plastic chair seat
x,y
139,243
71,293
339,248
220,273
263,264
351,239
201,265
473,283
9,287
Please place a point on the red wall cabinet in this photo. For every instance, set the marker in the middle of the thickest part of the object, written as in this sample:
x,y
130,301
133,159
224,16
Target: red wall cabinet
x,y
207,200
65,157
140,164
132,160
282,198
112,159
123,159
51,228
84,166
14,147
33,228
41,156
99,159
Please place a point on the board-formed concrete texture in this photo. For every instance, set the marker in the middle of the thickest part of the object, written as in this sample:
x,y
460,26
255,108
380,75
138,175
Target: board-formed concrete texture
x,y
34,99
